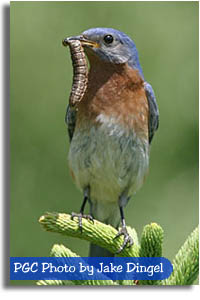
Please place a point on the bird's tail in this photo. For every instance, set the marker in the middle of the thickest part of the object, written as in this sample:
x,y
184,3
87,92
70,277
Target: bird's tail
x,y
96,251
107,213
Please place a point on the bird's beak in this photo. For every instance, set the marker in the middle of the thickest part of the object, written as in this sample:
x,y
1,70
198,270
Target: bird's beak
x,y
84,41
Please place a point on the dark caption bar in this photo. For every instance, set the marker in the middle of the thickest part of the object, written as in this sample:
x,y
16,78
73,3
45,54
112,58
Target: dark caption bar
x,y
90,268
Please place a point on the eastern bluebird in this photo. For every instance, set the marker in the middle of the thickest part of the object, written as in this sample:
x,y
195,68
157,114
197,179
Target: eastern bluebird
x,y
111,129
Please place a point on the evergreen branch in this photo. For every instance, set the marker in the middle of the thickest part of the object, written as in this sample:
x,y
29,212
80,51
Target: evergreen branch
x,y
95,232
151,241
62,251
134,236
186,262
52,282
58,251
151,246
126,282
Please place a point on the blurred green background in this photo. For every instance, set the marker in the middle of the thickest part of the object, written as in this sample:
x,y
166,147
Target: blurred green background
x,y
166,35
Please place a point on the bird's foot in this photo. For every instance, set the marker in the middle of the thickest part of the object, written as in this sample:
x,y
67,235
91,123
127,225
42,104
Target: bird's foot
x,y
80,216
128,241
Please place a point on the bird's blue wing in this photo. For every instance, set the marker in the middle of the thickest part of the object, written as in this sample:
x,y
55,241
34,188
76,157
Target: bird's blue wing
x,y
153,110
70,119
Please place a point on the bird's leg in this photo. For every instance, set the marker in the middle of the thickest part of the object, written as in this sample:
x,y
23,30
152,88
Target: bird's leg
x,y
81,214
128,241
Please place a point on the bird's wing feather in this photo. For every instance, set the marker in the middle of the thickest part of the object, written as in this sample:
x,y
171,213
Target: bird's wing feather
x,y
70,119
153,110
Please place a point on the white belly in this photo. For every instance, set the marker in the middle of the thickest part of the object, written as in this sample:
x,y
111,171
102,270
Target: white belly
x,y
110,160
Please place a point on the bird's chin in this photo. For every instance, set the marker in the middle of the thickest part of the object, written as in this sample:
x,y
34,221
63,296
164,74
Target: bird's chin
x,y
94,55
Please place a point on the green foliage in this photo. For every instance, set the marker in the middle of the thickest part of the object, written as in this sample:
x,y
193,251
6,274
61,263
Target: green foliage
x,y
185,264
61,251
98,233
151,241
151,246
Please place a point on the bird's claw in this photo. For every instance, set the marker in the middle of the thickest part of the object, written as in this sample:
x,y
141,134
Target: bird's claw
x,y
128,241
80,216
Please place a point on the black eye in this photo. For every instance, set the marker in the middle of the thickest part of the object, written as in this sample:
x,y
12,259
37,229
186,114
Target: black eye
x,y
108,39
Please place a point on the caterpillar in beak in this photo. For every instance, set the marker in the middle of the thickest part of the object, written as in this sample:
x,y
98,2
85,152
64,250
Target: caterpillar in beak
x,y
80,72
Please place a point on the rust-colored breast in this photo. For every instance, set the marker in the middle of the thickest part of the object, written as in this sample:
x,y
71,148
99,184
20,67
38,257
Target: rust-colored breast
x,y
117,91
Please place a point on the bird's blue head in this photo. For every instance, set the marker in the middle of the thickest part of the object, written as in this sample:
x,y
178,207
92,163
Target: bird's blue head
x,y
111,45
